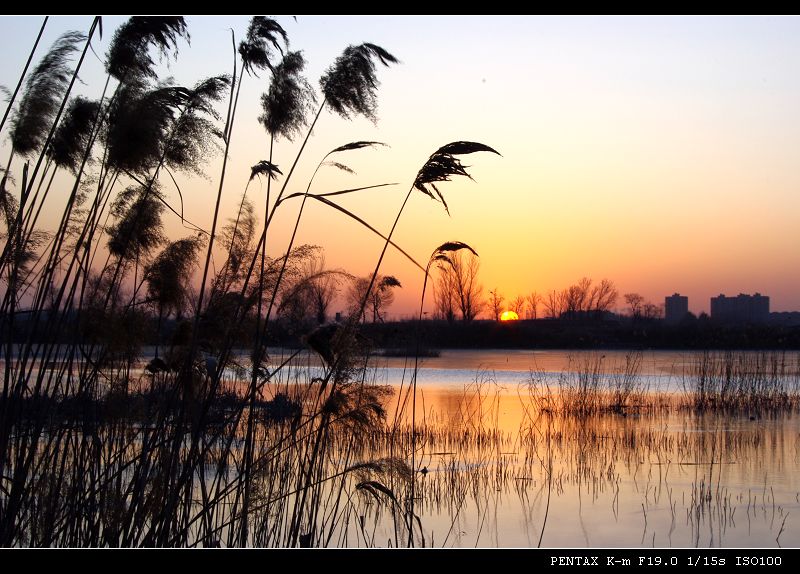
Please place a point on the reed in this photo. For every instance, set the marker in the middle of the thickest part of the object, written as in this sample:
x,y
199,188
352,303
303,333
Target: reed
x,y
198,445
752,382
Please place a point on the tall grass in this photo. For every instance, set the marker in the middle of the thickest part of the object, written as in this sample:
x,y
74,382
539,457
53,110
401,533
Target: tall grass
x,y
591,384
199,445
755,382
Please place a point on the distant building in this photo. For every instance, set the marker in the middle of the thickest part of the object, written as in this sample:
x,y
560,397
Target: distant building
x,y
740,309
676,307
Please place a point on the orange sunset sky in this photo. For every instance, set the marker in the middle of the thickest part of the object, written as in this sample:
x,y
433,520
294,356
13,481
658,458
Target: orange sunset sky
x,y
660,153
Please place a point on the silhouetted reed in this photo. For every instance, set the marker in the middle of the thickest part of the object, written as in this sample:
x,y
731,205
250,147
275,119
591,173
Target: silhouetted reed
x,y
104,445
13,96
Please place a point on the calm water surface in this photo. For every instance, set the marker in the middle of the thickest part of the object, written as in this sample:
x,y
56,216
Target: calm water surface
x,y
500,472
672,478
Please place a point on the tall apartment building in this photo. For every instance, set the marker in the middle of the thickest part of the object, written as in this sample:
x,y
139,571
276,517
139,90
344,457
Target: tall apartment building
x,y
676,307
740,309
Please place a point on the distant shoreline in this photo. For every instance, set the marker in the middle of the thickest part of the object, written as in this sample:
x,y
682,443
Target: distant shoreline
x,y
583,335
430,336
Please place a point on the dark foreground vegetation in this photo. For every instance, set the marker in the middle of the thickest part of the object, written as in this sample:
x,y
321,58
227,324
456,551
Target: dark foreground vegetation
x,y
199,446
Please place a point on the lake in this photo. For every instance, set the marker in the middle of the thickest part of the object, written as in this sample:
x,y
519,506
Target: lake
x,y
498,472
497,448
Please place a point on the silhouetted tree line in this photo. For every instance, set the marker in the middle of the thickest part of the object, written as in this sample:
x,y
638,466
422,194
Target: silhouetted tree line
x,y
460,296
692,334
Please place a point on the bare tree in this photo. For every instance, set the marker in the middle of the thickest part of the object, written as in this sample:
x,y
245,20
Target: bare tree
x,y
572,298
652,311
296,304
533,300
458,287
378,300
446,294
554,304
635,302
518,305
603,296
313,289
496,303
322,286
583,299
583,295
323,289
295,294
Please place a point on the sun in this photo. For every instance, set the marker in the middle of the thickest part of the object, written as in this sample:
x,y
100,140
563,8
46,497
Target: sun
x,y
509,316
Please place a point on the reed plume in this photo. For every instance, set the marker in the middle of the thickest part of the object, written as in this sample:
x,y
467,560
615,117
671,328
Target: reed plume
x,y
349,85
129,60
43,95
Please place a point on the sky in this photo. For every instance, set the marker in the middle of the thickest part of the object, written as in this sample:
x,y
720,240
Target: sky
x,y
658,152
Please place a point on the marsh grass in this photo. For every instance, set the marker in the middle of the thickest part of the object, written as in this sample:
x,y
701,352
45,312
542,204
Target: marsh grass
x,y
752,382
589,386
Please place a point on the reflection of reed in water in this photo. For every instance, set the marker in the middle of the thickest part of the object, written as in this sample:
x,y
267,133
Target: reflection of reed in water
x,y
687,475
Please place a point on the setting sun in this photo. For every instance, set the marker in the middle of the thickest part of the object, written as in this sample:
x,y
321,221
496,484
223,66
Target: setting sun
x,y
509,316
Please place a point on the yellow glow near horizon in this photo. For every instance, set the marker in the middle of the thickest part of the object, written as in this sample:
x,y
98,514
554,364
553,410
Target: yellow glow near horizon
x,y
509,316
